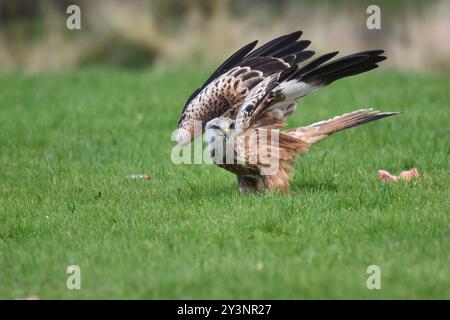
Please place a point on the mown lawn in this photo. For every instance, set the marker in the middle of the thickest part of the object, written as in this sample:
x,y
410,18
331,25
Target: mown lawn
x,y
68,141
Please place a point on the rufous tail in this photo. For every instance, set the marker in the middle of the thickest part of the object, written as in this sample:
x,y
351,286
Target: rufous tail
x,y
322,129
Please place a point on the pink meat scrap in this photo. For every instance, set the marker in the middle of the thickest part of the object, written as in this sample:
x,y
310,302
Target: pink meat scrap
x,y
383,175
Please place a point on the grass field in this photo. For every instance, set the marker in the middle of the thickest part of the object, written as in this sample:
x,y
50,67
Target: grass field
x,y
68,141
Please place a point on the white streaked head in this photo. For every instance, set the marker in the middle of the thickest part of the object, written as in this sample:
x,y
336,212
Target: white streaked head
x,y
218,133
218,128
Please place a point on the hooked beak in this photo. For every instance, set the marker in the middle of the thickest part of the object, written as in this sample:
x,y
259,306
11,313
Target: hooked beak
x,y
225,132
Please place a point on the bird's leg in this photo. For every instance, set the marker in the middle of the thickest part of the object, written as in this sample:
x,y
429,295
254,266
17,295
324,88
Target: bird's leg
x,y
251,184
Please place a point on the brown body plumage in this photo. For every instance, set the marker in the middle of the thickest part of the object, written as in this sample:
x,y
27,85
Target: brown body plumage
x,y
258,150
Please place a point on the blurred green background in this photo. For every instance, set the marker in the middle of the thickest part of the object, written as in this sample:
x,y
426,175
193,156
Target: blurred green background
x,y
82,110
137,33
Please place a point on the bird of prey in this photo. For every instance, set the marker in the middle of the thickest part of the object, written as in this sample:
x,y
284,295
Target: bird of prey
x,y
243,104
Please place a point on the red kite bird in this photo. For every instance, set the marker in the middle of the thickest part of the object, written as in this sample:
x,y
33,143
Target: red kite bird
x,y
244,102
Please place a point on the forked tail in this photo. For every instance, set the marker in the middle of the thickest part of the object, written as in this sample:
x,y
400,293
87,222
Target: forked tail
x,y
319,130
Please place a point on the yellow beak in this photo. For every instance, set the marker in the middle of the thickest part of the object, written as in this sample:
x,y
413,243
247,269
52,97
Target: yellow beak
x,y
226,130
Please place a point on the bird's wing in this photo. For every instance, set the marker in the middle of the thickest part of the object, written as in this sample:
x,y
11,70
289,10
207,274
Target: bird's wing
x,y
228,86
275,98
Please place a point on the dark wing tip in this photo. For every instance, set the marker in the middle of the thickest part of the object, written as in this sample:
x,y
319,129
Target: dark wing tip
x,y
373,52
251,45
296,34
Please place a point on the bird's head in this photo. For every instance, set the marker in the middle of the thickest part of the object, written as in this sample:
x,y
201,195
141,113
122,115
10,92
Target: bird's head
x,y
219,129
218,132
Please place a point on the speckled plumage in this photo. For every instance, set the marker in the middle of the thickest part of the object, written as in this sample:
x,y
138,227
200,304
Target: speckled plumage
x,y
224,92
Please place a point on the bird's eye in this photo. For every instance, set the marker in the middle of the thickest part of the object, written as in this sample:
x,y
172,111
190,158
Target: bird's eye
x,y
232,126
213,126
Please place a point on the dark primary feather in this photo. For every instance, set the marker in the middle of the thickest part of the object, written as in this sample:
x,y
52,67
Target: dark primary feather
x,y
302,56
281,46
289,59
291,48
231,61
322,71
317,62
371,53
286,46
334,66
275,44
272,66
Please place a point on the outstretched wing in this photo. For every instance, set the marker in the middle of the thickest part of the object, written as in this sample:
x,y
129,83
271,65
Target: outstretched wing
x,y
227,87
274,99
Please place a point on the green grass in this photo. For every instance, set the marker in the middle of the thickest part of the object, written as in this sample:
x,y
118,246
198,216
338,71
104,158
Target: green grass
x,y
68,140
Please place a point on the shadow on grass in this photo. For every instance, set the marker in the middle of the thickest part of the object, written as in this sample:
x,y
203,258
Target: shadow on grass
x,y
219,189
308,186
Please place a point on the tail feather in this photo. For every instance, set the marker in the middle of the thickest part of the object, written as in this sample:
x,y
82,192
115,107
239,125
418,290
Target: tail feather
x,y
319,130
